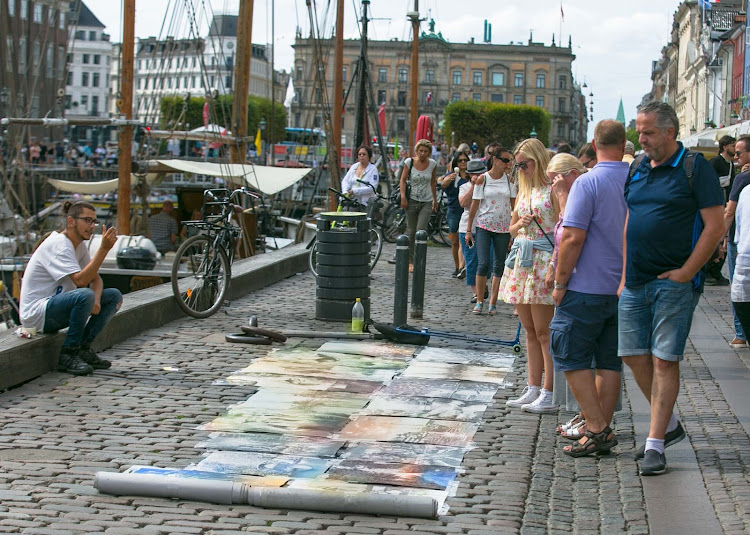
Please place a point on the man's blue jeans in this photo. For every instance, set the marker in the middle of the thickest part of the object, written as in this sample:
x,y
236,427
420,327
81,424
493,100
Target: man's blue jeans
x,y
731,262
73,309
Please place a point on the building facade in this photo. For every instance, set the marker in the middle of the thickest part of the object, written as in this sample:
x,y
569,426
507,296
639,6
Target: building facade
x,y
533,74
34,37
89,62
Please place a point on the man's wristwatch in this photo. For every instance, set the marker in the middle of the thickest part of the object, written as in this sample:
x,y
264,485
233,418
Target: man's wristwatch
x,y
559,286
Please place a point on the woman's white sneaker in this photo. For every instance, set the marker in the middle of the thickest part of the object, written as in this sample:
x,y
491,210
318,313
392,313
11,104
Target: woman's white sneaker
x,y
542,404
529,394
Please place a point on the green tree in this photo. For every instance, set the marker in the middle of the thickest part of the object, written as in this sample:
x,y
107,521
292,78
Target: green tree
x,y
632,135
485,122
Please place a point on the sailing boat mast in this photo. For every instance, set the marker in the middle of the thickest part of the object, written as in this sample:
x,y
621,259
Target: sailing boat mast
x,y
238,151
360,124
414,16
338,77
126,107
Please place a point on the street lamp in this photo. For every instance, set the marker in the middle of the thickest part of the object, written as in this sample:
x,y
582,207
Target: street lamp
x,y
533,133
262,126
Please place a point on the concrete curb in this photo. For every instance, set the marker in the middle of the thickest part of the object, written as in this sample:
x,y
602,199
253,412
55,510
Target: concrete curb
x,y
22,360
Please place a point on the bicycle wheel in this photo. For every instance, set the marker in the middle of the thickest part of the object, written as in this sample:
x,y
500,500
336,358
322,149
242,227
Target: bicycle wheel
x,y
312,258
376,247
394,223
200,277
444,229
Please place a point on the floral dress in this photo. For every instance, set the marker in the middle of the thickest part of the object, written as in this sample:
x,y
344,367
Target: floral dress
x,y
525,285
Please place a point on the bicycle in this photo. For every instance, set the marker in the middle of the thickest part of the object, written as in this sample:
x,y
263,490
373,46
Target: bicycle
x,y
202,268
394,221
376,239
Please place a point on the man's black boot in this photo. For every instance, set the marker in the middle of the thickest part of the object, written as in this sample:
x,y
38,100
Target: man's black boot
x,y
70,362
88,356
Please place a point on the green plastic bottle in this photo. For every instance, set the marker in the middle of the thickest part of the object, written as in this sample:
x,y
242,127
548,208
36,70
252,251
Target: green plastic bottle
x,y
358,317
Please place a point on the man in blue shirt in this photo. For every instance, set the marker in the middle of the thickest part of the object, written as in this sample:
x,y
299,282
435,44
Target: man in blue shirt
x,y
673,226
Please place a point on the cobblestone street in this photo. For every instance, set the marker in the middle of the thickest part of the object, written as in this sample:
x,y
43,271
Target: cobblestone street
x,y
59,430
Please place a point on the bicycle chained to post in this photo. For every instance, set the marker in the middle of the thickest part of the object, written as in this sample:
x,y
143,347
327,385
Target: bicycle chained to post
x,y
202,268
349,204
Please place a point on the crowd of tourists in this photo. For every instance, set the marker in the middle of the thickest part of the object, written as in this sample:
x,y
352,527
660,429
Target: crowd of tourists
x,y
603,257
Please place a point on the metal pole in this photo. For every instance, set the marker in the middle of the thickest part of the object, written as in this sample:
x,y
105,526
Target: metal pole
x,y
420,265
401,292
125,139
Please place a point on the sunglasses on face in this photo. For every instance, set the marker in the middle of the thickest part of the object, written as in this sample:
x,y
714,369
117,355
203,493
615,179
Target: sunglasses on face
x,y
88,221
522,165
504,160
462,160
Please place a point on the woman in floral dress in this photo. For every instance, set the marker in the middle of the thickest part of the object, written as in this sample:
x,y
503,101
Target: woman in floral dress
x,y
523,283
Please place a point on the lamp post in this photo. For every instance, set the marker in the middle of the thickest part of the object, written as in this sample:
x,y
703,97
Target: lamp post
x,y
262,126
533,133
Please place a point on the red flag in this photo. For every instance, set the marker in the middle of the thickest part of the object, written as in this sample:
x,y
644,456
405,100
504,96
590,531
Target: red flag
x,y
205,113
429,97
381,118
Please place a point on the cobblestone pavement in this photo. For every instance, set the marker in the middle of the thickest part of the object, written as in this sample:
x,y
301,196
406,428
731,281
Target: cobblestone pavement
x,y
58,431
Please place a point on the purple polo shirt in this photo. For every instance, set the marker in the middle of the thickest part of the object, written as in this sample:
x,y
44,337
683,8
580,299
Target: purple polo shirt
x,y
596,204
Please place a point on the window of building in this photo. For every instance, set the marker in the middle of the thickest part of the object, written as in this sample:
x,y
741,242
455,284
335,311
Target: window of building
x,y
317,95
402,74
541,80
498,79
138,85
477,97
36,56
381,97
457,77
540,101
68,101
518,79
517,99
401,124
213,84
145,83
24,9
299,73
185,82
429,76
177,82
85,79
22,55
35,106
84,100
343,73
169,83
184,63
9,54
94,105
60,62
455,97
51,17
401,98
92,35
497,97
560,129
562,81
97,59
86,59
561,104
192,82
476,77
140,64
38,13
318,121
169,63
95,79
49,64
61,21
69,81
194,62
382,75
228,81
11,8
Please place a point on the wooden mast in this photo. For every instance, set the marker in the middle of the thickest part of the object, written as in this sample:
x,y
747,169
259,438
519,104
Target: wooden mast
x,y
338,78
414,16
126,108
238,151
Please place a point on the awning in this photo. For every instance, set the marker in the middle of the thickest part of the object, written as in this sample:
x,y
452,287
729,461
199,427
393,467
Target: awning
x,y
735,130
706,139
268,180
95,188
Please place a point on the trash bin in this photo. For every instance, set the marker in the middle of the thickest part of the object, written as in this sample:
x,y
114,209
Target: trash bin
x,y
343,265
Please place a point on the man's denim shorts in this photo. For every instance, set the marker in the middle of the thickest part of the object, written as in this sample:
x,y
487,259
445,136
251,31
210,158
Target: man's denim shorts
x,y
583,333
655,319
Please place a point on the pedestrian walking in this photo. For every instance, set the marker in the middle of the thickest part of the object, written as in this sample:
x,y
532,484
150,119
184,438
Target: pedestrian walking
x,y
450,184
465,194
524,281
673,198
418,188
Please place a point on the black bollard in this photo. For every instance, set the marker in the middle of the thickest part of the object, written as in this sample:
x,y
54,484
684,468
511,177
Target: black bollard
x,y
420,265
401,291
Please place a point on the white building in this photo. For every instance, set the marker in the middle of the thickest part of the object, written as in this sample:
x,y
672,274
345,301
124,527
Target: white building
x,y
89,59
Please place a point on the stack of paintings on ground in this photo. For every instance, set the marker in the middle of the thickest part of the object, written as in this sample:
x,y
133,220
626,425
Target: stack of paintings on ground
x,y
352,417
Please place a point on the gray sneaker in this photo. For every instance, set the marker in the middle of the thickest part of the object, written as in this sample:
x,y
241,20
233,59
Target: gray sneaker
x,y
654,463
673,437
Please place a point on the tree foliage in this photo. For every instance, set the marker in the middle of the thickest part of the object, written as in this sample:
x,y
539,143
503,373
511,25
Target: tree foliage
x,y
485,122
632,135
258,109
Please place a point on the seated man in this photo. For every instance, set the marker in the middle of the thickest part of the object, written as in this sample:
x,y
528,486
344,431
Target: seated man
x,y
62,288
163,228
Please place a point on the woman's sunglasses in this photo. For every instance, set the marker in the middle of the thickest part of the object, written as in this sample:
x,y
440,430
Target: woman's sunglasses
x,y
462,160
522,165
504,160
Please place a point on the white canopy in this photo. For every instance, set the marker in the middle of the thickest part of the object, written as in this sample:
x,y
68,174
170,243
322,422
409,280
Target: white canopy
x,y
212,128
706,138
268,180
735,130
95,188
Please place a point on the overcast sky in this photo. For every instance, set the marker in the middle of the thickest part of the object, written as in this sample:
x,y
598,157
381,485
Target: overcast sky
x,y
614,42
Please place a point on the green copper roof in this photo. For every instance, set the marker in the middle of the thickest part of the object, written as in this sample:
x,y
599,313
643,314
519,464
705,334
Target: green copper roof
x,y
621,113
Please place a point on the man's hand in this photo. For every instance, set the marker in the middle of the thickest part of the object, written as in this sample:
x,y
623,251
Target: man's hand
x,y
434,205
109,237
620,289
549,280
676,275
557,296
404,202
97,308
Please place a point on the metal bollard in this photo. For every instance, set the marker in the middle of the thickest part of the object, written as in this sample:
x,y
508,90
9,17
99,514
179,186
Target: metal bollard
x,y
420,265
401,291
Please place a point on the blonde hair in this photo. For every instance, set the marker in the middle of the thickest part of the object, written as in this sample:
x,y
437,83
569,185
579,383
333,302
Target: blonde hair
x,y
423,143
563,163
534,150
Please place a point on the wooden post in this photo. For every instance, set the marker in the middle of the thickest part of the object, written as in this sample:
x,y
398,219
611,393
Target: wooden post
x,y
414,76
338,79
238,151
126,108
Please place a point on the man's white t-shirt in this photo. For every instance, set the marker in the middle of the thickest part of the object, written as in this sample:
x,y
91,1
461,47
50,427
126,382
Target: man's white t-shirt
x,y
48,274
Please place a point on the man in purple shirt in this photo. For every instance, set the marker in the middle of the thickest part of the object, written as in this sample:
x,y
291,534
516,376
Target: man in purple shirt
x,y
589,269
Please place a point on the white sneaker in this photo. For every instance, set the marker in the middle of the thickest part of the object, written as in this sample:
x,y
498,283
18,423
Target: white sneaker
x,y
542,404
527,396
